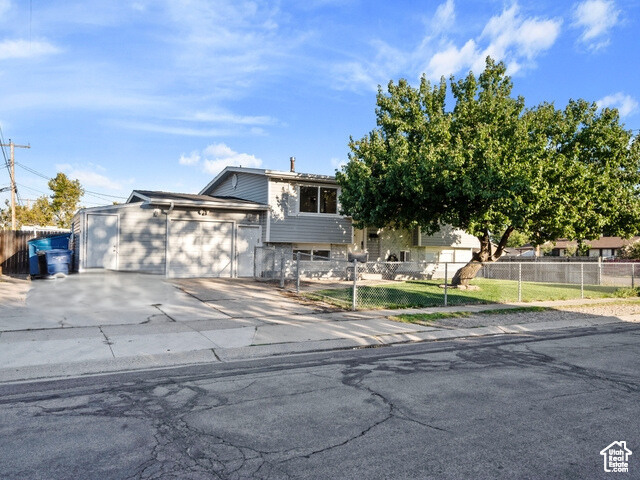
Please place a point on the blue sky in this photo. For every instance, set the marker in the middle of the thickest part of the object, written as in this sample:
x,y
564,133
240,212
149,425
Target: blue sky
x,y
162,94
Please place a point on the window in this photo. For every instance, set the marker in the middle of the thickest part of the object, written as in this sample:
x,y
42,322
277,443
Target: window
x,y
318,200
309,199
314,255
328,200
321,255
304,254
405,256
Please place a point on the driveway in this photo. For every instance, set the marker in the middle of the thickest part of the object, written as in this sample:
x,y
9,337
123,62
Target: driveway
x,y
111,321
243,298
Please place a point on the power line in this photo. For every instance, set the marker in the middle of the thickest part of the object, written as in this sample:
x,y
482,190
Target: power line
x,y
89,192
31,170
105,194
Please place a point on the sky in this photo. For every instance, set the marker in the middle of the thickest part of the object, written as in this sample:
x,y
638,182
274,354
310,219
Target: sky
x,y
162,94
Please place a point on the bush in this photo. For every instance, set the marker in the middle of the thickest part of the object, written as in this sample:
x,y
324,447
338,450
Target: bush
x,y
631,251
627,292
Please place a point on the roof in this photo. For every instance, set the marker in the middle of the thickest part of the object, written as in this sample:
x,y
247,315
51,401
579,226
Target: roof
x,y
602,242
309,177
190,200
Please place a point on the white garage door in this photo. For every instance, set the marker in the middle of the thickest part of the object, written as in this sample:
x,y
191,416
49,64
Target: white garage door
x,y
200,249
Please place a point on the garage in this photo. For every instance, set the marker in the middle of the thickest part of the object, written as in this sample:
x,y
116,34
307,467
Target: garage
x,y
200,249
172,234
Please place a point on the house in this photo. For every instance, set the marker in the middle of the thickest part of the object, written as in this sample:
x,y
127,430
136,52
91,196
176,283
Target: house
x,y
215,232
605,247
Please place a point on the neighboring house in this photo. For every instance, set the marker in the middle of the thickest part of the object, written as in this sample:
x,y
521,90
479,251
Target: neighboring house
x,y
447,245
215,232
605,247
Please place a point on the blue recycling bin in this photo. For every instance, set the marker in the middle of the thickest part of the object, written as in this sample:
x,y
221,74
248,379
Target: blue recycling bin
x,y
53,262
56,242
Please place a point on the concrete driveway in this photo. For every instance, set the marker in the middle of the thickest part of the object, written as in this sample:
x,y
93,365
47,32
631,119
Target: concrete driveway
x,y
116,298
146,320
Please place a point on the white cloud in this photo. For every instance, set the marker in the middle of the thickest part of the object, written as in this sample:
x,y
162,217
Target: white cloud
x,y
88,178
625,104
26,49
229,118
217,156
510,36
596,18
444,17
192,159
452,59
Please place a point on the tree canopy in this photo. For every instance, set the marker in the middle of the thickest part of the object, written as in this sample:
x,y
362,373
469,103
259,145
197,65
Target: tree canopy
x,y
491,166
57,209
65,199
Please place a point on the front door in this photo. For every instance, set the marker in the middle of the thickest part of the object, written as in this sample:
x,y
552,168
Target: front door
x,y
102,241
248,240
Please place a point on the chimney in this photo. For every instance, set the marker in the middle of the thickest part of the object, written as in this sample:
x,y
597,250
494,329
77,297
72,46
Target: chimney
x,y
293,163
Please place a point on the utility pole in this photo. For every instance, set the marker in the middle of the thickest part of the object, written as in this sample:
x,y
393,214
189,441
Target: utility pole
x,y
14,188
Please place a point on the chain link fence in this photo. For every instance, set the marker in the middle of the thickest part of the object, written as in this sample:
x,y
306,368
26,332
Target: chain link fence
x,y
372,285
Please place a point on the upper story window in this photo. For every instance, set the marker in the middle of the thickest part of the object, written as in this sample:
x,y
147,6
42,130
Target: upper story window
x,y
318,199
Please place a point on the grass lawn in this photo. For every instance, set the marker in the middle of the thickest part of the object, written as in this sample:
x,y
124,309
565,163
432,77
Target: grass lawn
x,y
430,318
429,294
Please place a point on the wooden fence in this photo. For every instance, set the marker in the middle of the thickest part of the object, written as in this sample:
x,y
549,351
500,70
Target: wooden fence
x,y
14,250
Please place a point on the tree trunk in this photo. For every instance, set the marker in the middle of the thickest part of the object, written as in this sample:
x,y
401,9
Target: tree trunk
x,y
471,269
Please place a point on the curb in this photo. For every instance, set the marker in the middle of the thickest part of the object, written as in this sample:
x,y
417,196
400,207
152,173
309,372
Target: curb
x,y
50,372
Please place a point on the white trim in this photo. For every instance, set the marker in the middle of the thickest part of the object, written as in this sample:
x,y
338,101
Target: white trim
x,y
268,213
110,207
167,254
139,195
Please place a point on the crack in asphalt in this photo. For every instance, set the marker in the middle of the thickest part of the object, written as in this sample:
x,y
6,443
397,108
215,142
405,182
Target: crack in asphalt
x,y
180,449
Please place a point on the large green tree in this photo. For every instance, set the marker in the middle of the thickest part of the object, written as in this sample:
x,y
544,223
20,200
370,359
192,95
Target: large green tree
x,y
65,199
490,166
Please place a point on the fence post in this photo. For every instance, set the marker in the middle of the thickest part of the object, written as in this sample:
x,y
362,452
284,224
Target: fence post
x,y
354,299
520,282
581,279
298,272
633,275
446,275
273,270
282,269
600,270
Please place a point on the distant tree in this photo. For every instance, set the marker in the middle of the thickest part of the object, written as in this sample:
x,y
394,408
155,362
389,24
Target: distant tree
x,y
65,199
37,214
517,239
631,251
491,167
58,209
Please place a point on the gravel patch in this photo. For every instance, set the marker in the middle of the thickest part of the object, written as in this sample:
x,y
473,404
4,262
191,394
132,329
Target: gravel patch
x,y
574,312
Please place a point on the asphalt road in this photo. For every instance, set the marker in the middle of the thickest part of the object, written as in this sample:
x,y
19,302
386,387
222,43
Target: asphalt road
x,y
534,406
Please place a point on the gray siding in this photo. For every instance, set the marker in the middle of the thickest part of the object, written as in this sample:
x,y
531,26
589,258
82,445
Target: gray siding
x,y
289,226
251,218
448,237
250,187
77,226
